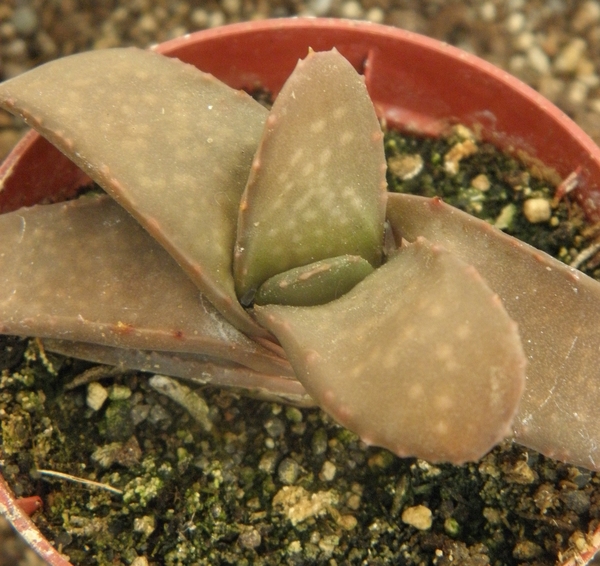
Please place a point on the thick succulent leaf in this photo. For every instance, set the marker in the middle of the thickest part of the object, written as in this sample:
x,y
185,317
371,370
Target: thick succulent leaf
x,y
557,309
192,367
317,185
169,143
316,283
420,357
86,270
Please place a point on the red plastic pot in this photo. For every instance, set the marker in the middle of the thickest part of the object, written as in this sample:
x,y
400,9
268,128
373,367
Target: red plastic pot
x,y
416,83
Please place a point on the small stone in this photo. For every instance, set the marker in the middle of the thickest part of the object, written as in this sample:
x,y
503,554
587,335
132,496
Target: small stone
x,y
267,462
119,393
406,166
577,501
586,72
216,19
293,414
538,60
119,426
524,41
569,56
288,471
25,21
250,539
537,210
577,93
159,416
327,471
275,428
586,15
140,561
295,547
353,502
7,31
189,399
319,442
463,133
517,63
521,473
594,105
418,516
526,550
139,413
457,153
515,22
231,7
375,15
493,516
119,15
580,477
147,24
46,45
297,504
328,544
96,396
126,454
319,7
351,10
199,18
347,522
144,525
481,182
551,87
488,12
16,50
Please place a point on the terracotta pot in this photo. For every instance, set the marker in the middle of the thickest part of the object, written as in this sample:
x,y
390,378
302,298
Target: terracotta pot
x,y
416,83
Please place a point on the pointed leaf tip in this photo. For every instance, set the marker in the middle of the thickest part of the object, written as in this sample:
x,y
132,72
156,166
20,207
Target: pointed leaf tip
x,y
323,193
419,357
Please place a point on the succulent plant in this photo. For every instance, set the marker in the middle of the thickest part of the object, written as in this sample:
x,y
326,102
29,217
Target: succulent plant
x,y
259,249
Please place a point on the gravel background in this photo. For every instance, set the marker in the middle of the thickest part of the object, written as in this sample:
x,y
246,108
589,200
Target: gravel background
x,y
553,46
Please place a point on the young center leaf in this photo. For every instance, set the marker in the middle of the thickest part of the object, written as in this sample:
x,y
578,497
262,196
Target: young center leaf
x,y
317,184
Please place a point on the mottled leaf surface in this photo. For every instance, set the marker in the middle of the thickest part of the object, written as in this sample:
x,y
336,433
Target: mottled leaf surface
x,y
317,185
316,283
169,143
420,357
84,270
558,312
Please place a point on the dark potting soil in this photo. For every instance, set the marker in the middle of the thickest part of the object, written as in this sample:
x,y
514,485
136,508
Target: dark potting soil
x,y
272,484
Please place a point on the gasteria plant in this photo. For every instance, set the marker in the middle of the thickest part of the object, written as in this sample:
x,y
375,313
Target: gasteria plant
x,y
250,248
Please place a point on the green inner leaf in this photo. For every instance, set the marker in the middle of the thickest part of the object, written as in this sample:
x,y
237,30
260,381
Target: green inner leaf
x,y
317,185
316,283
